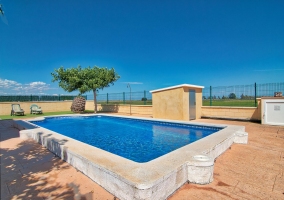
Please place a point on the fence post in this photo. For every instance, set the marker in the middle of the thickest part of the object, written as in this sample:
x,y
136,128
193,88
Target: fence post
x,y
255,103
123,97
210,95
144,97
107,98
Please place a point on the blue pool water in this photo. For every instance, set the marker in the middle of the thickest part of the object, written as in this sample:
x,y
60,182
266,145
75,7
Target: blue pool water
x,y
134,139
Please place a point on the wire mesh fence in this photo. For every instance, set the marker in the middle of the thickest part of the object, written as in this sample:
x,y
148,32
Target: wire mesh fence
x,y
268,89
24,98
239,95
136,98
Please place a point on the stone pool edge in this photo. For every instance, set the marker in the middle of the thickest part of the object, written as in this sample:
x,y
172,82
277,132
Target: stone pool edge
x,y
156,179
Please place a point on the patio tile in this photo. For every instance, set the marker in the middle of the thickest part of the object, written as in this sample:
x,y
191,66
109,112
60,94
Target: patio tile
x,y
5,193
254,192
279,183
211,191
245,171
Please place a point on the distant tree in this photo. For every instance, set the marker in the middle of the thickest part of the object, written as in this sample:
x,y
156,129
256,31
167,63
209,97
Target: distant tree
x,y
1,10
223,97
144,99
214,97
219,97
85,80
2,15
204,97
232,96
242,96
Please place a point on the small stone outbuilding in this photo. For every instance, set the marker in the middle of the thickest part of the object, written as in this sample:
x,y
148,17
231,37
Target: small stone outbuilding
x,y
180,102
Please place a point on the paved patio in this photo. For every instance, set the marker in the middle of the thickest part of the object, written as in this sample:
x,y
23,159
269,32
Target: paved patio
x,y
251,171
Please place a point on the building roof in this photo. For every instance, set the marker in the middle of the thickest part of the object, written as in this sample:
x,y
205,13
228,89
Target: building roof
x,y
177,86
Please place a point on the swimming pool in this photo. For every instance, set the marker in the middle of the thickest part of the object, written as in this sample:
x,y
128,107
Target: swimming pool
x,y
155,179
134,139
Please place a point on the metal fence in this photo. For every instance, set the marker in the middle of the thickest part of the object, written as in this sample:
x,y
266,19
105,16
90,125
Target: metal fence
x,y
239,95
23,98
137,98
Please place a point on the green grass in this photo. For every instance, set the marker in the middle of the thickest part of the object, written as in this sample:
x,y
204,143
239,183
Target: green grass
x,y
219,102
40,115
134,102
229,102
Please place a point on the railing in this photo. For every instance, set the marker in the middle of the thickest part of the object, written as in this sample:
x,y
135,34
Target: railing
x,y
239,95
137,98
24,98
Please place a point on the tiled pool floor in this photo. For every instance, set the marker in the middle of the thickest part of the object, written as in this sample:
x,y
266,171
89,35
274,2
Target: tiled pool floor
x,y
250,171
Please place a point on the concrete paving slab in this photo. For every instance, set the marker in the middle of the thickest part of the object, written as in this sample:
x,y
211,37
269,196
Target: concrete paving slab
x,y
279,183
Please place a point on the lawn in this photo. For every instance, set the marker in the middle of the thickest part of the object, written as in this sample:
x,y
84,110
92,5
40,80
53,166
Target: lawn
x,y
229,102
219,102
118,102
215,102
40,115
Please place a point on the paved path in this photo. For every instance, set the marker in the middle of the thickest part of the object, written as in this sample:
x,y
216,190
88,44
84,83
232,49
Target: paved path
x,y
252,171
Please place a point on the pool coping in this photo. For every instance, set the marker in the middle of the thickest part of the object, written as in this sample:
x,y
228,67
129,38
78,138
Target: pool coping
x,y
156,179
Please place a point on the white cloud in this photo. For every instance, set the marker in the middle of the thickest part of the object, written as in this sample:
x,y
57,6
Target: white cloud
x,y
13,87
4,83
36,87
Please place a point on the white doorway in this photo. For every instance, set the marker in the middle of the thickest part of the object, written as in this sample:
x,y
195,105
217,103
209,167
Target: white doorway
x,y
192,105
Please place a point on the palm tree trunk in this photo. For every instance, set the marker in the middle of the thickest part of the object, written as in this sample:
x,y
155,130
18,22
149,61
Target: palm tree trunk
x,y
95,100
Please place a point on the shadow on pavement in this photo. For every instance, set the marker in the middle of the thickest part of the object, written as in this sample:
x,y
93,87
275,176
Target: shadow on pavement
x,y
30,171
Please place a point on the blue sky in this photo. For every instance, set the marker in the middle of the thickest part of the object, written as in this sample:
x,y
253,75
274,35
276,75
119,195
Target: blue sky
x,y
151,44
